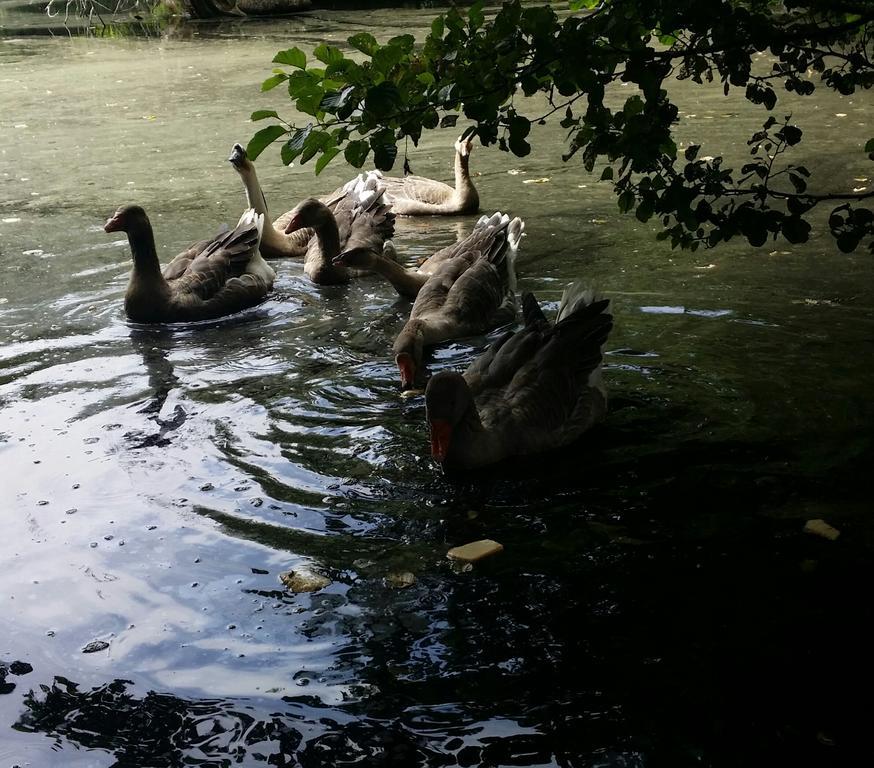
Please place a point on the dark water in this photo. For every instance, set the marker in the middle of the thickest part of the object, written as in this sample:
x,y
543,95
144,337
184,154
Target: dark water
x,y
657,602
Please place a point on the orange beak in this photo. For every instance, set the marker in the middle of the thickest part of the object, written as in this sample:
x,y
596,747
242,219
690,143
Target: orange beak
x,y
293,225
407,369
441,434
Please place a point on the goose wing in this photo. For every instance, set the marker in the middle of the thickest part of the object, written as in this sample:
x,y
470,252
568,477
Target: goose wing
x,y
371,220
226,256
418,188
234,295
544,382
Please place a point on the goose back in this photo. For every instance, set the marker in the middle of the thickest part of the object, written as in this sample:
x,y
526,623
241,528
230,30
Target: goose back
x,y
536,389
212,278
470,291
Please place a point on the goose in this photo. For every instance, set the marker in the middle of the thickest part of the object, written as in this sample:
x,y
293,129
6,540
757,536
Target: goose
x,y
419,196
531,391
470,291
406,281
212,278
275,243
359,224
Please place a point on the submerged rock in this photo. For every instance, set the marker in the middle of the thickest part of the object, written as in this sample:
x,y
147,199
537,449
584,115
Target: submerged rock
x,y
304,580
95,645
401,579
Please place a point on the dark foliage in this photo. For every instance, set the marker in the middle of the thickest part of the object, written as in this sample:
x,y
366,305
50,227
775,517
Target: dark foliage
x,y
469,67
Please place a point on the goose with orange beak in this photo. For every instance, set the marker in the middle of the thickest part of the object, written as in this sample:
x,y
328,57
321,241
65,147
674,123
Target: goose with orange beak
x,y
470,292
531,391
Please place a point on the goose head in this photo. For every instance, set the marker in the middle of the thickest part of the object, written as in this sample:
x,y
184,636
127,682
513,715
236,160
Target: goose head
x,y
238,158
128,218
448,401
309,213
408,349
463,146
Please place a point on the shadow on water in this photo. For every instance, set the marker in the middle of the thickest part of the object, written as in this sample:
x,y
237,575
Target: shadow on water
x,y
603,636
599,650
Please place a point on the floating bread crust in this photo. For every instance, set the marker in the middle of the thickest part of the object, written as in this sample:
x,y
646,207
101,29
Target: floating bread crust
x,y
474,551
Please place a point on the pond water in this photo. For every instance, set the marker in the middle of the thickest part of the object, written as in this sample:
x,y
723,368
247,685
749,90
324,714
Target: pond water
x,y
657,602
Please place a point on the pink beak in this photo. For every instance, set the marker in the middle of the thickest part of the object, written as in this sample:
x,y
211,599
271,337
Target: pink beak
x,y
293,225
407,370
441,434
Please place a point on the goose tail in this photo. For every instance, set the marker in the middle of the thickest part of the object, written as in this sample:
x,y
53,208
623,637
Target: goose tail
x,y
251,218
515,230
577,296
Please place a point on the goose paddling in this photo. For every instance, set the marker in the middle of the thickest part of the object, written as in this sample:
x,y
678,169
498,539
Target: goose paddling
x,y
212,278
470,291
531,391
420,196
360,222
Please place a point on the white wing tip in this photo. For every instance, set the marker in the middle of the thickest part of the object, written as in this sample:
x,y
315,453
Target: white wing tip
x,y
250,217
576,295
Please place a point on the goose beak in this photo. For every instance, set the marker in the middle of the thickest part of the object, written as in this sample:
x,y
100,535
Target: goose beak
x,y
113,224
238,156
293,225
407,370
441,434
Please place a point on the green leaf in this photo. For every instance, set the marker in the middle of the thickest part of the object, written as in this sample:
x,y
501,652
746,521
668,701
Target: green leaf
x,y
302,83
382,100
364,42
626,201
263,114
795,229
446,95
692,152
430,119
475,15
848,241
437,28
293,57
316,141
426,79
384,156
356,152
329,154
633,106
798,182
644,211
333,101
607,174
273,81
403,42
519,146
384,149
791,134
387,57
294,146
328,54
263,139
448,121
519,126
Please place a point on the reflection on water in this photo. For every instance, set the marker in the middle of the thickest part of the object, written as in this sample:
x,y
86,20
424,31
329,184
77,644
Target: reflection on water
x,y
657,602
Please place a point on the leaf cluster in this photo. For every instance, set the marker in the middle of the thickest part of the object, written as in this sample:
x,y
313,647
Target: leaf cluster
x,y
366,97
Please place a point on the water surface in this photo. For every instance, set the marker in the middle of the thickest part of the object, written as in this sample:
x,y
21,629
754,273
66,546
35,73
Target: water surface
x,y
657,602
